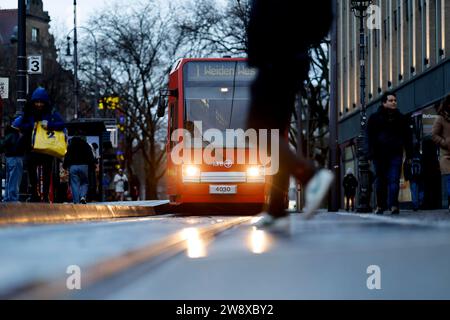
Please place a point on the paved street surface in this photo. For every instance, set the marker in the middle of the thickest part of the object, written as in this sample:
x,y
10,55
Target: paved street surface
x,y
324,258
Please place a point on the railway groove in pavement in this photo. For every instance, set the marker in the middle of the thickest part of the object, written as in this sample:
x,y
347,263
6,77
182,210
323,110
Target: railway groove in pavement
x,y
107,269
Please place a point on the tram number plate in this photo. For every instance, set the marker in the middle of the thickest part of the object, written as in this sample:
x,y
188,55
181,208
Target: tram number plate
x,y
224,189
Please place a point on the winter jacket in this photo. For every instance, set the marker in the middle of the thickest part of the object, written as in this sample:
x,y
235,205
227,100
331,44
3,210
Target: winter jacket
x,y
389,134
440,133
13,144
78,153
349,183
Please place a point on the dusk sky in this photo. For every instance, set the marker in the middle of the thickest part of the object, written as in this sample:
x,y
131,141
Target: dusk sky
x,y
61,11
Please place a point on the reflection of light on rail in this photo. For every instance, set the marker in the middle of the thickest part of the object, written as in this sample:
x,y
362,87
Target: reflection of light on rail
x,y
196,247
258,241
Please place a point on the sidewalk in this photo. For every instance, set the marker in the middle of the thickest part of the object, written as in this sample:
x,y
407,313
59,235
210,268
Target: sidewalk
x,y
43,213
436,218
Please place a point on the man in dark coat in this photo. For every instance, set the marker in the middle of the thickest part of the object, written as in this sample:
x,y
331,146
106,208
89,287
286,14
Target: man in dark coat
x,y
78,158
389,135
279,38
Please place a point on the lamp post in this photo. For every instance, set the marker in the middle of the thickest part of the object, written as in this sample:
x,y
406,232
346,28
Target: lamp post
x,y
95,59
21,57
359,8
75,59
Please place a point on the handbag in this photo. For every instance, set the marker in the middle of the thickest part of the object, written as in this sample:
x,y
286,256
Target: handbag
x,y
50,142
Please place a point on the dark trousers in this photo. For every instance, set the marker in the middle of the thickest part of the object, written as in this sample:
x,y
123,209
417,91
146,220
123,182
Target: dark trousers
x,y
387,181
40,171
272,104
350,201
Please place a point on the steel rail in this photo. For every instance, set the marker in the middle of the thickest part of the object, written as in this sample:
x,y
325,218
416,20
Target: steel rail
x,y
111,268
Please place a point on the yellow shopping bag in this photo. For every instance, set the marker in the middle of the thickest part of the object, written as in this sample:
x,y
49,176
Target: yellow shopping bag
x,y
49,142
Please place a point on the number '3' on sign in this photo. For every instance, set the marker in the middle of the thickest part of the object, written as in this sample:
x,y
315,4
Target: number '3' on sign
x,y
34,64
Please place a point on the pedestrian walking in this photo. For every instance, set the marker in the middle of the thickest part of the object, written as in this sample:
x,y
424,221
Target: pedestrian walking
x,y
389,135
40,165
93,172
279,38
13,145
120,185
412,168
431,172
441,136
77,160
135,188
350,183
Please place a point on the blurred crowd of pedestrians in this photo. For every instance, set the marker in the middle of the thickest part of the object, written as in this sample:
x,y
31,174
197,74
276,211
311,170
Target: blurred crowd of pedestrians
x,y
51,178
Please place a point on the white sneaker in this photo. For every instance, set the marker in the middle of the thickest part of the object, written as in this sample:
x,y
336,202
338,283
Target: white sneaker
x,y
273,224
316,190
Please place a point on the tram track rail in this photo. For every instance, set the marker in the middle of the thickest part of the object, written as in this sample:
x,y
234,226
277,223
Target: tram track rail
x,y
94,276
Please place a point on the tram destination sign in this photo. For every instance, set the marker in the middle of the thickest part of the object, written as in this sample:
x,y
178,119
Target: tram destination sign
x,y
218,71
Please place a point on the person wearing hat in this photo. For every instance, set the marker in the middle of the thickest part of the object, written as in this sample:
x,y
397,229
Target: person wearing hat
x,y
350,183
39,109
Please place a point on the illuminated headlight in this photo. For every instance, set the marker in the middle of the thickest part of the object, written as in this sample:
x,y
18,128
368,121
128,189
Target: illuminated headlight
x,y
255,174
191,171
255,171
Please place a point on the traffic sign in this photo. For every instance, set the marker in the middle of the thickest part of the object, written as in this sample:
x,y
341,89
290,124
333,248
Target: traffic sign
x,y
4,88
34,64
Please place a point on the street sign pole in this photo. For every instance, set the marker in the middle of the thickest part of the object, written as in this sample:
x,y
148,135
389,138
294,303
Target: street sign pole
x,y
21,58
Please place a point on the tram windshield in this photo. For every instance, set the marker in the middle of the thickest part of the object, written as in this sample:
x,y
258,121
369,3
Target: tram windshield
x,y
217,93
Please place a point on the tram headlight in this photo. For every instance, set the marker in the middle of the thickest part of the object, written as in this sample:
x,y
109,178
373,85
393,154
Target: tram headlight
x,y
255,171
255,174
191,173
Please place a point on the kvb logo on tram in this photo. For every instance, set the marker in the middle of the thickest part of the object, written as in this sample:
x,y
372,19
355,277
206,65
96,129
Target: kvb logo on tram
x,y
226,164
220,147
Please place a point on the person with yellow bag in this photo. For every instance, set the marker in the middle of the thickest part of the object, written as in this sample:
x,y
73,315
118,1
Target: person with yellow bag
x,y
45,130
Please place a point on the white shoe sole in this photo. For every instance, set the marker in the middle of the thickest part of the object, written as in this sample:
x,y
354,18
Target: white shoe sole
x,y
271,224
327,176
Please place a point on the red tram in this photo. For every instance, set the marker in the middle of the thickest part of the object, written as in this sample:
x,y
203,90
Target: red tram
x,y
206,98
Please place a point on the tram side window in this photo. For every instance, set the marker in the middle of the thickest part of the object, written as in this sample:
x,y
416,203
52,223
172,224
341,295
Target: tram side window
x,y
173,123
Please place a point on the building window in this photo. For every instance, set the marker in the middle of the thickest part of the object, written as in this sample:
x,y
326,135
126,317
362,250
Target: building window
x,y
355,60
413,39
396,22
427,33
34,35
443,31
341,56
390,40
347,54
380,55
406,5
401,48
